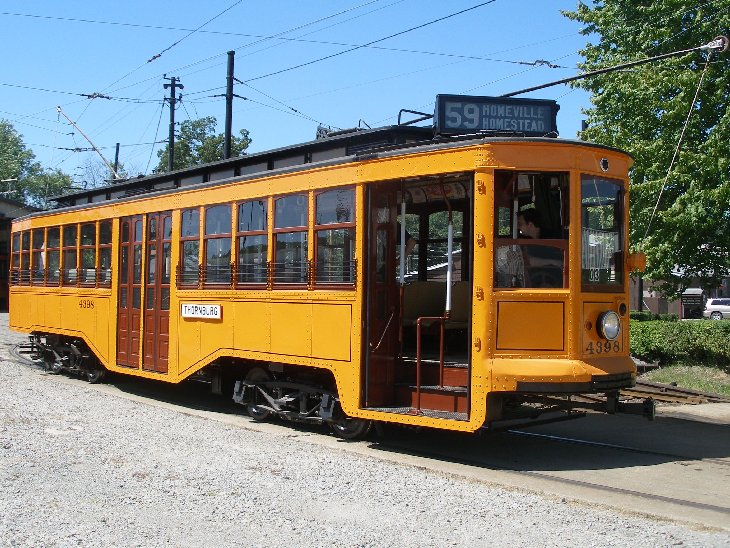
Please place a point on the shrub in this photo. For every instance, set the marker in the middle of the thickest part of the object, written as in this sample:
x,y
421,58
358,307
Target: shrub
x,y
650,316
704,342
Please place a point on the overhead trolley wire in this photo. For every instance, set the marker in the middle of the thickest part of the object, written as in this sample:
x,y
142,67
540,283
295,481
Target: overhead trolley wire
x,y
168,48
260,39
308,63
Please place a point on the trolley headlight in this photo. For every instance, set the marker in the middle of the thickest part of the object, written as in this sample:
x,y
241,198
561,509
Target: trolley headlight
x,y
609,325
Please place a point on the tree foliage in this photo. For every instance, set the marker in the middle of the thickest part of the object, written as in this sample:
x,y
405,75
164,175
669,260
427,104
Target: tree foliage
x,y
643,111
25,180
198,143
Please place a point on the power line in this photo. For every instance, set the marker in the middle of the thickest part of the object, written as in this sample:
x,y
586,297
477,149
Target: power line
x,y
292,109
152,148
91,96
168,48
460,12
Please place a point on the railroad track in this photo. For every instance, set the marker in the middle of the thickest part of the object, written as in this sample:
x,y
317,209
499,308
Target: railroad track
x,y
667,393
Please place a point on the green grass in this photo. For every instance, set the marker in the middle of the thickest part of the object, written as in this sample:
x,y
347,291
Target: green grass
x,y
693,377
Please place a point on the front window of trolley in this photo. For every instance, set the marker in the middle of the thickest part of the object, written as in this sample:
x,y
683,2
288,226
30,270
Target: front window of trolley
x,y
602,235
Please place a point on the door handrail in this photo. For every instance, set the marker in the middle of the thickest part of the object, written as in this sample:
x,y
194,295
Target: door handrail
x,y
385,330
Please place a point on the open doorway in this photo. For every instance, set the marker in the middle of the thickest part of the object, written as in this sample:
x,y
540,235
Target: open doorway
x,y
419,307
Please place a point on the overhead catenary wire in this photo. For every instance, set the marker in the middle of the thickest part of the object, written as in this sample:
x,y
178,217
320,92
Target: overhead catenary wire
x,y
261,38
168,48
297,111
400,33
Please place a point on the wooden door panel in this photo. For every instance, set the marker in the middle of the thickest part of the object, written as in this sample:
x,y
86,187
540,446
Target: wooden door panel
x,y
156,291
382,299
128,319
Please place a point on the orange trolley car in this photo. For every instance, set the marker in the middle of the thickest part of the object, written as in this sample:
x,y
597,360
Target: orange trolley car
x,y
452,279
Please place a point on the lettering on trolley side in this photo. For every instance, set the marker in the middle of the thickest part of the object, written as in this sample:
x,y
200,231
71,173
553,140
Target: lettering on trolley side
x,y
199,310
86,304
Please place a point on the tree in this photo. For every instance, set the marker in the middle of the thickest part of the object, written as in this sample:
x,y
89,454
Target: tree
x,y
199,144
95,172
26,180
643,111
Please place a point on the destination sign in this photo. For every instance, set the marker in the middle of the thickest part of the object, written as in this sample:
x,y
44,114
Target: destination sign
x,y
206,311
467,114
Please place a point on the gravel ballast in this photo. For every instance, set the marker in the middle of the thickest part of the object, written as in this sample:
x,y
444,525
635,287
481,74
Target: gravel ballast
x,y
79,466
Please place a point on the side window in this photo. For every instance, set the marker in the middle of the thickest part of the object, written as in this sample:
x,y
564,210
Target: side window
x,y
25,257
104,273
15,259
70,255
38,256
53,256
87,274
290,240
334,235
189,271
252,242
218,244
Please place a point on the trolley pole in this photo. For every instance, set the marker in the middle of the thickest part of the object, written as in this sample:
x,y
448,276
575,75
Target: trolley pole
x,y
116,159
229,107
174,84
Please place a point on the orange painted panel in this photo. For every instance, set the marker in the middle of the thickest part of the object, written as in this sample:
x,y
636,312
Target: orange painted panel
x,y
535,326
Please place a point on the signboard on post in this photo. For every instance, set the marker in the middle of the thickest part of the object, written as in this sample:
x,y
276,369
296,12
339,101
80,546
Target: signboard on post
x,y
469,114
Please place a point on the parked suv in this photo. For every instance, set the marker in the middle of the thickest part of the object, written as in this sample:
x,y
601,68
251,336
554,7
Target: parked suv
x,y
717,309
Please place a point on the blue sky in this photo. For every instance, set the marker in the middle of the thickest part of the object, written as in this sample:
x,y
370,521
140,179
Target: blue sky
x,y
56,51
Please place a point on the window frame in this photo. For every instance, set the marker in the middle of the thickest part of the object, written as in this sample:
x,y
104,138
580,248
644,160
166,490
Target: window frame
x,y
51,279
331,227
252,233
65,281
619,216
35,279
182,279
291,230
83,274
511,248
103,277
207,238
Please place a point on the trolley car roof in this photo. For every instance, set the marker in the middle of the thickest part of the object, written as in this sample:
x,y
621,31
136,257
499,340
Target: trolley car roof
x,y
338,148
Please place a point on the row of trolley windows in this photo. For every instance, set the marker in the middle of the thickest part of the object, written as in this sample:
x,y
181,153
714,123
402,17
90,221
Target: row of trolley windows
x,y
249,256
81,254
77,254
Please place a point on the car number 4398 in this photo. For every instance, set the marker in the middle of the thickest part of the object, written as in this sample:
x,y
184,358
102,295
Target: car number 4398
x,y
603,347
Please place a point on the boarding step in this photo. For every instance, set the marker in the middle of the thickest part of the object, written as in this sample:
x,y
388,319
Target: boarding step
x,y
453,399
455,373
432,413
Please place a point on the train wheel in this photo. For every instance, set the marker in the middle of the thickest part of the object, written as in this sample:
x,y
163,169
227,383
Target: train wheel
x,y
254,408
50,364
94,375
348,428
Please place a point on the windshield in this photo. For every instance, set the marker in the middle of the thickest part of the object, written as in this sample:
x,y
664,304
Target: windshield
x,y
602,234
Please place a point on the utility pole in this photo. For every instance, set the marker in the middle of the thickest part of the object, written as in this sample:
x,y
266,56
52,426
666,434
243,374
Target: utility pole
x,y
229,107
174,83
